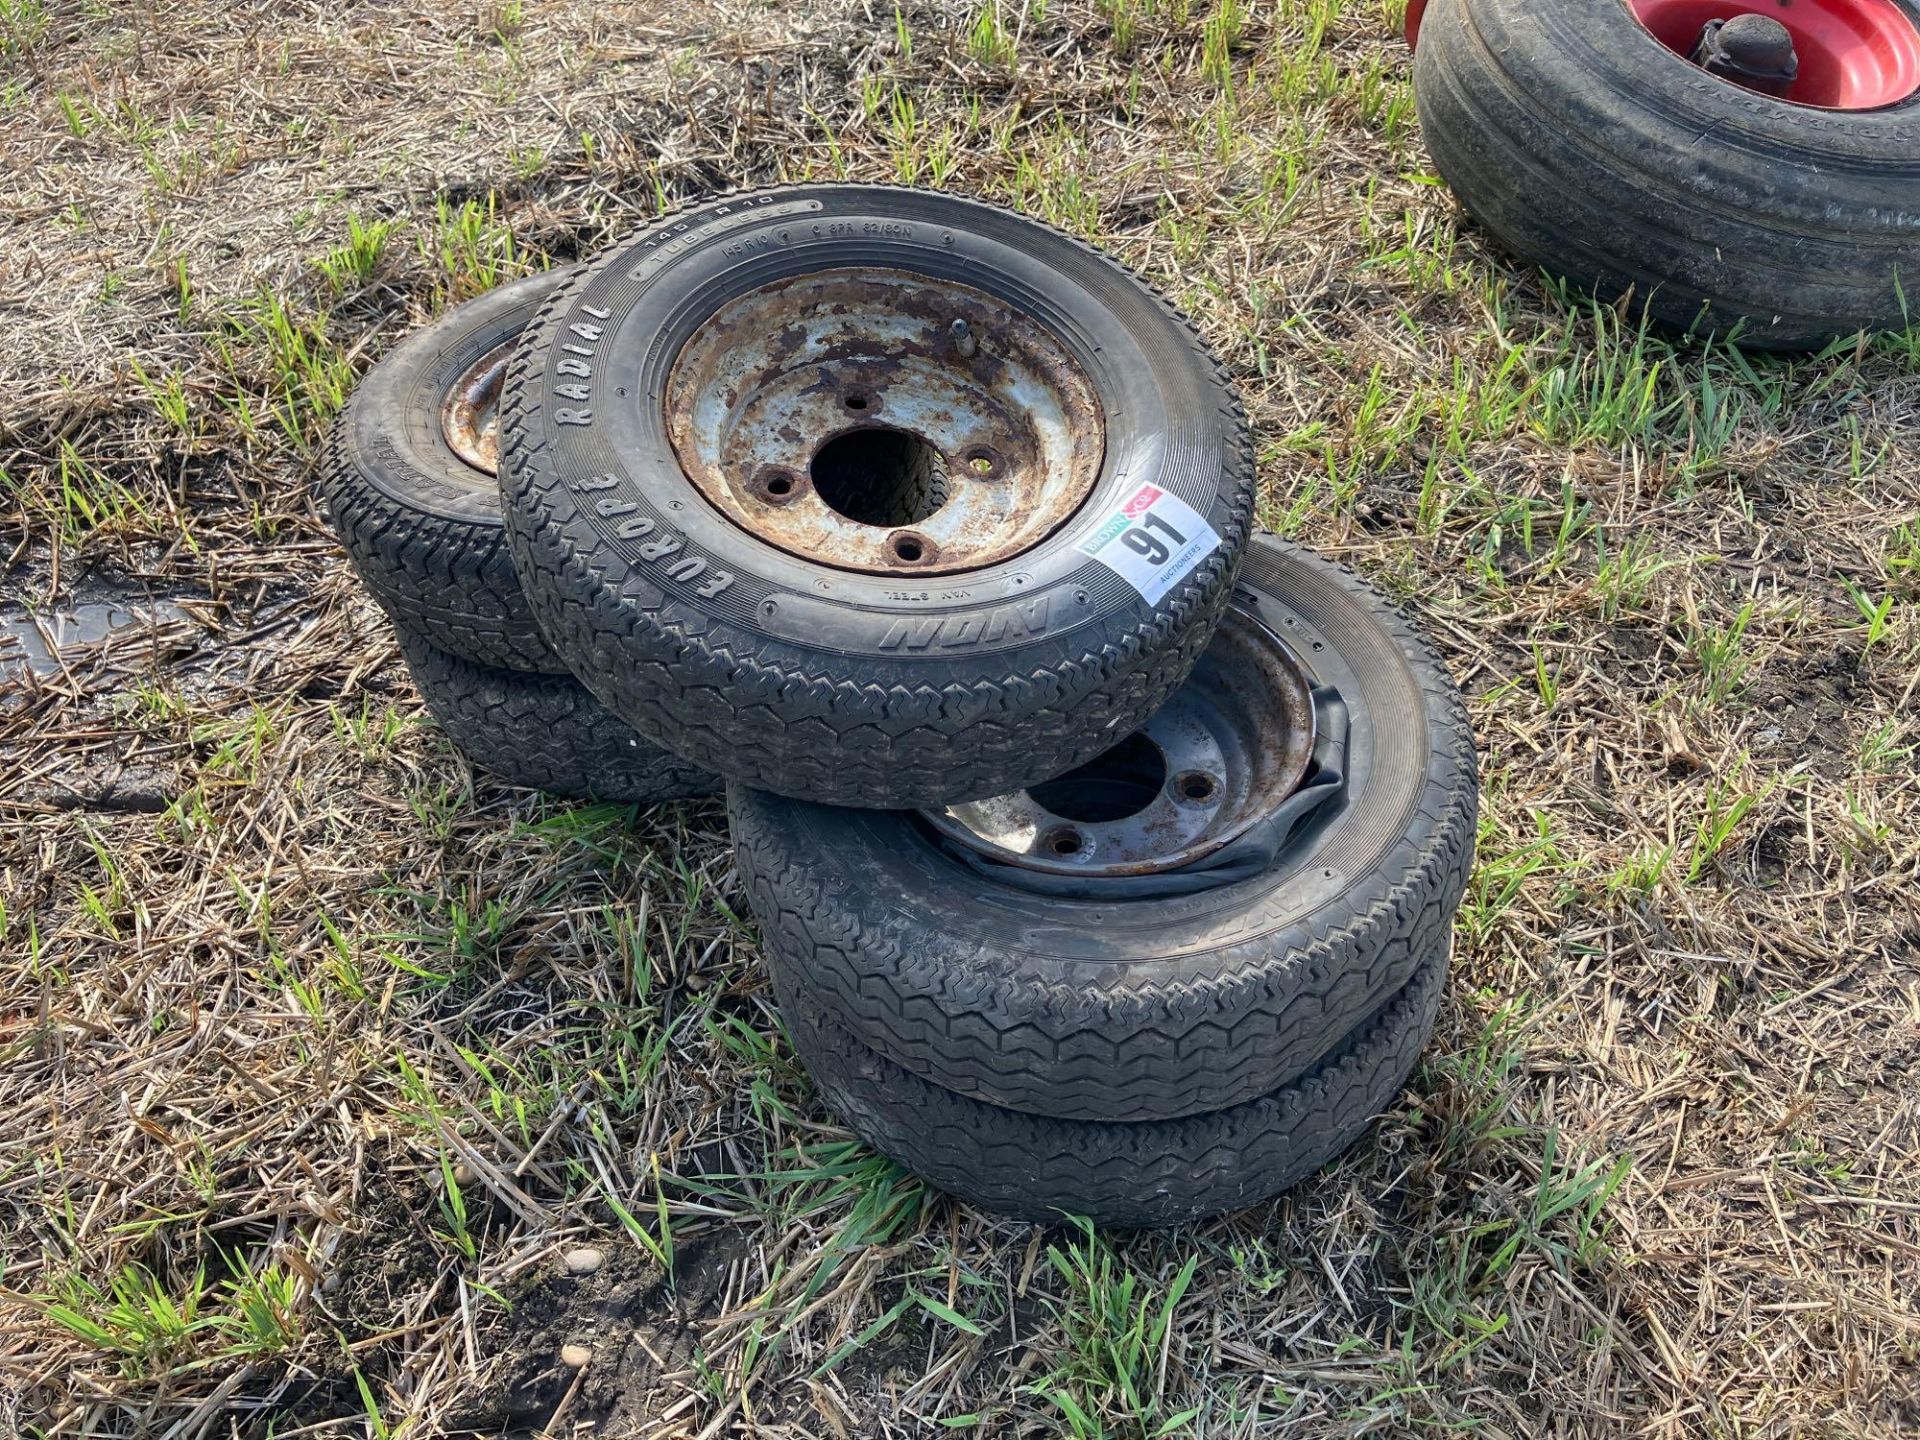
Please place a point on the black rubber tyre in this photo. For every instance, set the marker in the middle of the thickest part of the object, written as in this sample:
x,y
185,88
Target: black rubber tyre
x,y
421,526
1592,150
1159,1173
835,685
545,732
1147,1008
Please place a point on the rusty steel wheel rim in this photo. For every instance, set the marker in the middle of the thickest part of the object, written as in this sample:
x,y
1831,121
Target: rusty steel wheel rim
x,y
470,411
882,421
1232,744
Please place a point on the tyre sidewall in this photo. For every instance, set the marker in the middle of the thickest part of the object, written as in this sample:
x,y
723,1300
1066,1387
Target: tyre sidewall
x,y
1410,771
394,433
610,490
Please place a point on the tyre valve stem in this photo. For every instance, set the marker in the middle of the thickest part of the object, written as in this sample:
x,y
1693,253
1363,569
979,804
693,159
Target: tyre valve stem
x,y
1751,50
963,341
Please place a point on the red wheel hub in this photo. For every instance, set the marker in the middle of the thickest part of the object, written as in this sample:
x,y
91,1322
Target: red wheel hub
x,y
1854,54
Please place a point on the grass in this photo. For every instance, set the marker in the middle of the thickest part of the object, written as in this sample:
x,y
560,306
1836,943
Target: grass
x,y
308,376
155,1328
1116,1323
356,259
470,248
319,1052
22,24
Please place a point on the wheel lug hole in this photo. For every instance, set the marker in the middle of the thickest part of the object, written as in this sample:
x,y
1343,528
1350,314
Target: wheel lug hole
x,y
777,486
1063,842
908,548
982,463
1195,787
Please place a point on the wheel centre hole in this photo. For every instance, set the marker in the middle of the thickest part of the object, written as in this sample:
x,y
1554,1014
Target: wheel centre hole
x,y
1119,784
880,476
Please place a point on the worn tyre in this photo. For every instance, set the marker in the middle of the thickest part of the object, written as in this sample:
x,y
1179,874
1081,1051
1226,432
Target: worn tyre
x,y
1149,1007
545,732
1592,149
420,522
1157,1173
895,671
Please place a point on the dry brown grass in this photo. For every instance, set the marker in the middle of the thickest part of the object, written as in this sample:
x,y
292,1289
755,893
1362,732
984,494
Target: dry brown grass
x,y
282,979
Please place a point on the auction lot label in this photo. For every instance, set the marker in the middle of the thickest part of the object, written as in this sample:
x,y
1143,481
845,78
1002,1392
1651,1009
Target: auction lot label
x,y
1152,542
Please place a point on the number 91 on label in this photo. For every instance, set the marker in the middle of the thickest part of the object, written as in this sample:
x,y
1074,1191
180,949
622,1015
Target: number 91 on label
x,y
1152,541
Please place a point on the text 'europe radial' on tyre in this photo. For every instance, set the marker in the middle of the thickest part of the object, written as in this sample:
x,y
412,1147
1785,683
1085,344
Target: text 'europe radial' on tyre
x,y
1192,919
1743,167
410,483
873,496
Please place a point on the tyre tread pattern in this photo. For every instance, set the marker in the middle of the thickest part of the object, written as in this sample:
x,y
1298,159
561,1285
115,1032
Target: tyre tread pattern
x,y
1157,1173
449,580
544,732
827,736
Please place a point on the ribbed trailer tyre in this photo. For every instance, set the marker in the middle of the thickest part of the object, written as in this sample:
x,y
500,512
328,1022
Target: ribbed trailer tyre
x,y
1785,213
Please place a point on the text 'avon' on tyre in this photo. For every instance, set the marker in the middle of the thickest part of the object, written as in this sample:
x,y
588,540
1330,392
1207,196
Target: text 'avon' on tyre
x,y
873,496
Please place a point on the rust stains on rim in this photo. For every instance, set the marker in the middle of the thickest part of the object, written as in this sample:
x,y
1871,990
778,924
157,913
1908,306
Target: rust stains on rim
x,y
1232,744
470,412
882,421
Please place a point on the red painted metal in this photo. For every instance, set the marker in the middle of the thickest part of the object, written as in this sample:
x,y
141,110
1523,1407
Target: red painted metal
x,y
1854,54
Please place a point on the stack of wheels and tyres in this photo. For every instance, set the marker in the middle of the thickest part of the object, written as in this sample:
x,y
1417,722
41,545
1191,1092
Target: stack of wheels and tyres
x,y
1105,851
1745,168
